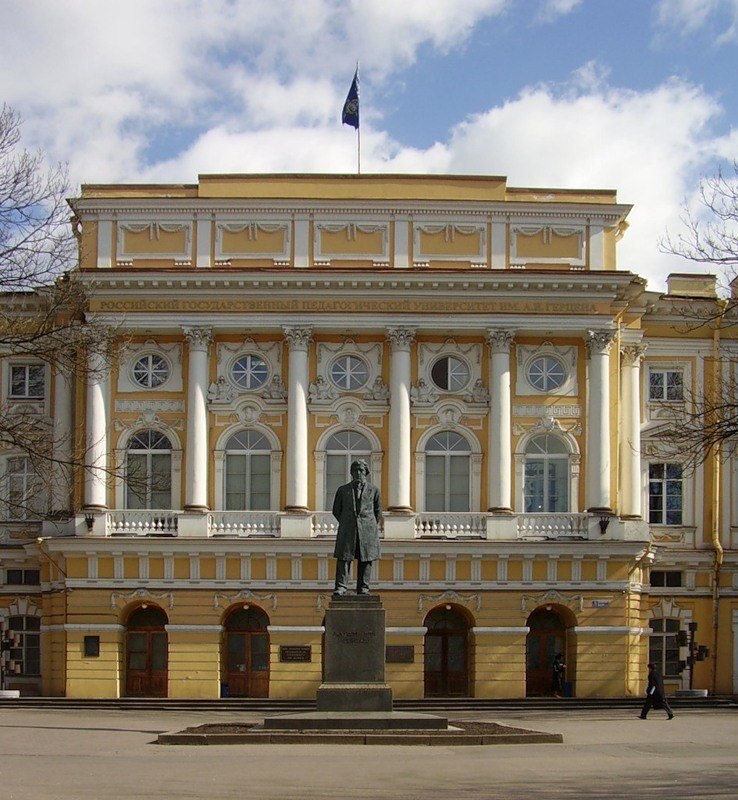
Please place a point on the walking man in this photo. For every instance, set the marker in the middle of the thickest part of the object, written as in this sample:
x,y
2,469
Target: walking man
x,y
655,694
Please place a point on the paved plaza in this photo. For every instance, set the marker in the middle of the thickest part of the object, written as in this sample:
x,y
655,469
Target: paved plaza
x,y
65,754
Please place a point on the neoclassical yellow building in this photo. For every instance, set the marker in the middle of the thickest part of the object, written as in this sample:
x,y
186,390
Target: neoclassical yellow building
x,y
474,342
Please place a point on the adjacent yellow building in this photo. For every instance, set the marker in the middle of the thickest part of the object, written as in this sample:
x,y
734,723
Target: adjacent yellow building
x,y
474,342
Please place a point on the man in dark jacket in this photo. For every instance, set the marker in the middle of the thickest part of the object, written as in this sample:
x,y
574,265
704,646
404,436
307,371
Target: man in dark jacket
x,y
655,694
358,509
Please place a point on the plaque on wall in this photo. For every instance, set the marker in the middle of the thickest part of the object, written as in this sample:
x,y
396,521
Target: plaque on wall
x,y
399,654
295,652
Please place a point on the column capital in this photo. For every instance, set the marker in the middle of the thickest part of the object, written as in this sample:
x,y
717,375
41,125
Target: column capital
x,y
599,342
633,354
500,341
198,338
400,338
298,338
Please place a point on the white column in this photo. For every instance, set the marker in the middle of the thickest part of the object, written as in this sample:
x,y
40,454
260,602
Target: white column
x,y
630,435
96,443
298,340
400,452
196,474
499,453
62,444
598,420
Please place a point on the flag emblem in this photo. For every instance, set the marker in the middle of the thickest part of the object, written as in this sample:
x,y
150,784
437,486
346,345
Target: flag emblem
x,y
351,106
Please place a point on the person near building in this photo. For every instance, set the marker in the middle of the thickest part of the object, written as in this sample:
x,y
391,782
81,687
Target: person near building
x,y
655,694
358,508
558,671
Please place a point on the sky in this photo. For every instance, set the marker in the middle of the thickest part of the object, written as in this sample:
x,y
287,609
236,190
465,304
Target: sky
x,y
640,96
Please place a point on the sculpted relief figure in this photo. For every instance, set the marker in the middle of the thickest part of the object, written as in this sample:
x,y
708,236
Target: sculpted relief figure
x,y
358,509
321,391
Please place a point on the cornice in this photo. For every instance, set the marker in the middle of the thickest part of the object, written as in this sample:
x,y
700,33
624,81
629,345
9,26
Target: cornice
x,y
499,211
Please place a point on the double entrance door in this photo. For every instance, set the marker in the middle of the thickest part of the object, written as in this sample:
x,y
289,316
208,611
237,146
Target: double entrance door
x,y
147,654
446,654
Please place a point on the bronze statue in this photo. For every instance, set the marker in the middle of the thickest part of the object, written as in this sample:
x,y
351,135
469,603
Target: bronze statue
x,y
358,509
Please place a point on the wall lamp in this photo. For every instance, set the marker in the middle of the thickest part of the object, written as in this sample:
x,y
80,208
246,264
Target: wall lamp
x,y
604,522
89,521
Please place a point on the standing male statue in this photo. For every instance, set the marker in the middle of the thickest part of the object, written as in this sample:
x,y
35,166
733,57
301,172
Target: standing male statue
x,y
358,509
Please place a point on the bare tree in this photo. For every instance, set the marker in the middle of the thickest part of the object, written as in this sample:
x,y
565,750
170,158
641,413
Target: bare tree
x,y
43,322
707,422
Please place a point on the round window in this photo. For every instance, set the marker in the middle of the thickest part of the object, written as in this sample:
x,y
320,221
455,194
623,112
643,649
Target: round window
x,y
150,371
249,372
546,373
349,373
450,374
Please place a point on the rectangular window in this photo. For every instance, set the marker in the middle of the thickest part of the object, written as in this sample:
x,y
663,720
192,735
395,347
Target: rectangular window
x,y
665,494
663,646
665,578
24,493
665,384
27,381
23,577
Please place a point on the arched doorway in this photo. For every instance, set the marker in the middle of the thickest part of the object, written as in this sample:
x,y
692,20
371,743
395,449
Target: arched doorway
x,y
146,653
546,638
246,665
446,669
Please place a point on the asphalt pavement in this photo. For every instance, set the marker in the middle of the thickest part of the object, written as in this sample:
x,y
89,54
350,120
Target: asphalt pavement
x,y
65,754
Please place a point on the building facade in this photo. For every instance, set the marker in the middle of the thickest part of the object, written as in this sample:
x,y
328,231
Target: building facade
x,y
474,342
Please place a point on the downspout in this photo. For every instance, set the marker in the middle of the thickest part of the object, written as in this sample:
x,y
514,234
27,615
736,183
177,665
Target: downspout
x,y
716,489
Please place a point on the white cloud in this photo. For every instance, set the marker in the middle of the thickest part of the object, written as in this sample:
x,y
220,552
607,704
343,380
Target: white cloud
x,y
685,17
551,9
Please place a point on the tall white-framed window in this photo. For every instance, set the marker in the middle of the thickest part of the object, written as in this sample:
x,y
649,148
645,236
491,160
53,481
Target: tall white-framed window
x,y
27,381
340,450
247,472
447,472
663,645
665,494
546,477
148,471
23,490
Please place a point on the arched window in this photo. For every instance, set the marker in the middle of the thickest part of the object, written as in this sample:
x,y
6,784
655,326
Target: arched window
x,y
149,470
342,448
546,485
447,472
248,464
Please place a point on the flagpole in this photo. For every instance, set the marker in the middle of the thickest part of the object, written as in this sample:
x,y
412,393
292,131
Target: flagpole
x,y
358,129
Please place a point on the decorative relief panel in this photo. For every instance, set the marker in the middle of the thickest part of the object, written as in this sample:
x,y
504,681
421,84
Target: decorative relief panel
x,y
536,244
248,367
150,366
154,240
252,239
450,243
546,369
351,241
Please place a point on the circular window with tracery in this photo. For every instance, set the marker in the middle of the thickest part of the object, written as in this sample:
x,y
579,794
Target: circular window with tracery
x,y
150,371
546,373
349,373
249,372
450,374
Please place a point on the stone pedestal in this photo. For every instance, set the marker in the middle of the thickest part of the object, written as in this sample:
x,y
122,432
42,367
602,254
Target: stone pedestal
x,y
354,694
354,656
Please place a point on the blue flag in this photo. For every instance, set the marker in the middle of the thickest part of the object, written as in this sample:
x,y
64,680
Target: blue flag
x,y
351,106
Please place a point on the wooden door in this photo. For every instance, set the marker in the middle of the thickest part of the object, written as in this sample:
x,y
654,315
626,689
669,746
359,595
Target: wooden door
x,y
446,668
546,638
147,648
246,656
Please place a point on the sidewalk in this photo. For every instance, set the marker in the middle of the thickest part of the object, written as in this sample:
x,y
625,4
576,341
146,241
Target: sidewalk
x,y
606,754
